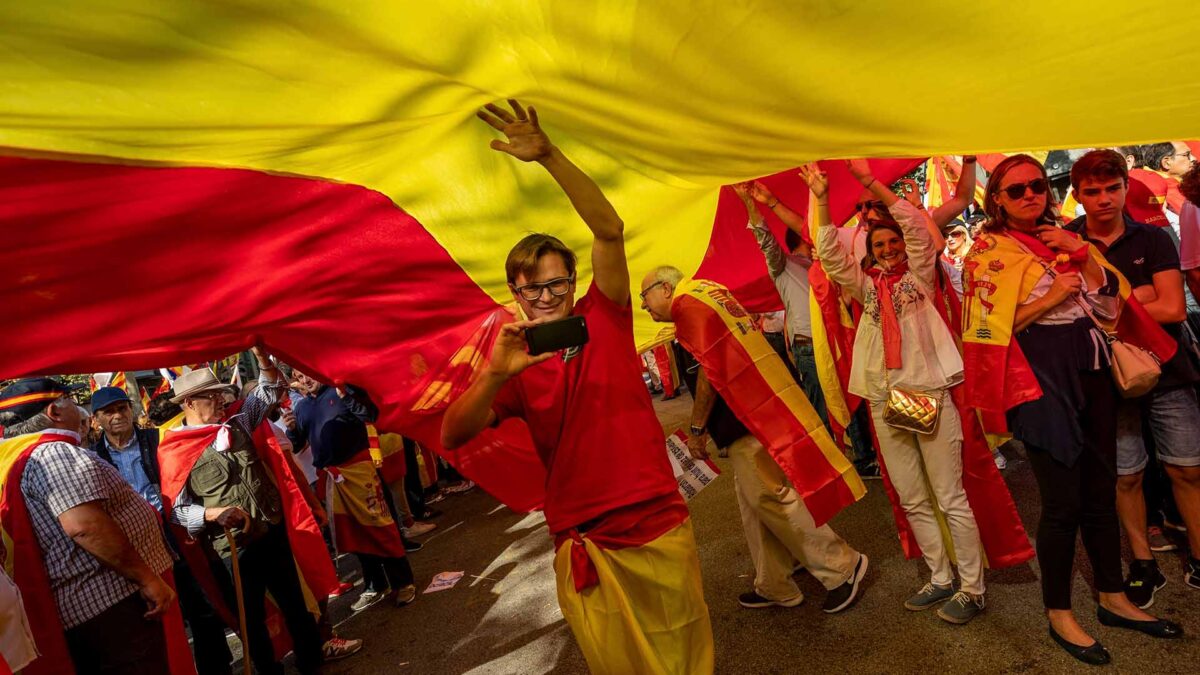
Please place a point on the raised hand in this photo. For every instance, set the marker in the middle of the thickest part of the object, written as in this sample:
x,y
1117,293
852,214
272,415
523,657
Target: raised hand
x,y
861,170
526,140
1058,239
818,182
510,354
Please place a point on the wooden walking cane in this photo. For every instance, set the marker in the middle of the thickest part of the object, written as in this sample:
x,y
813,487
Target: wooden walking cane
x,y
241,602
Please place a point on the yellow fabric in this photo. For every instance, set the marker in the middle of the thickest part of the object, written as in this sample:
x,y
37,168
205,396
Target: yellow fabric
x,y
10,450
662,102
359,495
988,305
647,615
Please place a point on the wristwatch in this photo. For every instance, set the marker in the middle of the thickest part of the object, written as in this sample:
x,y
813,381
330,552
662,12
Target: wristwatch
x,y
698,431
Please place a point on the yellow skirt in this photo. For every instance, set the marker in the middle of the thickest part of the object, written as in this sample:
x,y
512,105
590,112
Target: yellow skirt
x,y
647,615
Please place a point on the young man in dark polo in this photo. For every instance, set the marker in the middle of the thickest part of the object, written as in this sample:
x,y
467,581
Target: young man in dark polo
x,y
1146,256
612,502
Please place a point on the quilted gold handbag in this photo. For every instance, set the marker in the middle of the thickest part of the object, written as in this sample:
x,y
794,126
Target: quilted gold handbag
x,y
910,410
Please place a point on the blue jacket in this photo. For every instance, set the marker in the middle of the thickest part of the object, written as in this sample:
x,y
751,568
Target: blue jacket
x,y
335,427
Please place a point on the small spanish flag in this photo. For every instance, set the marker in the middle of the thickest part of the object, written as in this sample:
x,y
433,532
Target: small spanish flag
x,y
145,400
118,380
163,387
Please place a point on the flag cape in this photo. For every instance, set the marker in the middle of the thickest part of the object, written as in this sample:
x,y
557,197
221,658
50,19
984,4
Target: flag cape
x,y
362,522
997,276
761,391
177,454
23,562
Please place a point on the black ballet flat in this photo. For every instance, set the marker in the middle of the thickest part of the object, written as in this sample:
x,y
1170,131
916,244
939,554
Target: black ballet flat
x,y
1159,628
1093,655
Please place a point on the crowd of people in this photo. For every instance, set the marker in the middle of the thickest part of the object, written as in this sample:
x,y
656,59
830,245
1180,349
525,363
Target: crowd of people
x,y
975,320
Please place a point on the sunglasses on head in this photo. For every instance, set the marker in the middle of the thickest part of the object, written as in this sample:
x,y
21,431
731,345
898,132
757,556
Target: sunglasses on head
x,y
1017,190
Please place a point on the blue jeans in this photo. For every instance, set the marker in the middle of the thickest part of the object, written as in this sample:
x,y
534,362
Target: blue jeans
x,y
862,451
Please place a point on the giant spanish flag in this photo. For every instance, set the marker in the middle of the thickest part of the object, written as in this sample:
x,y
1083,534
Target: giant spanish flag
x,y
310,175
753,380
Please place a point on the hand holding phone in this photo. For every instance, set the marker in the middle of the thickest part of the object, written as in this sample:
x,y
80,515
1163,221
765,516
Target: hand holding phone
x,y
557,335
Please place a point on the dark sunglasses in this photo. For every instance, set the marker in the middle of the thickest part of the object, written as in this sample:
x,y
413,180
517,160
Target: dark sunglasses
x,y
1017,190
870,204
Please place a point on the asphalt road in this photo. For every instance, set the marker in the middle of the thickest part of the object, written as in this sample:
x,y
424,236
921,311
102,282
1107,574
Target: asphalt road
x,y
503,616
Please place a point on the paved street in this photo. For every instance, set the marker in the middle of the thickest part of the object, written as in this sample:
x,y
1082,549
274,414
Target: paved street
x,y
503,616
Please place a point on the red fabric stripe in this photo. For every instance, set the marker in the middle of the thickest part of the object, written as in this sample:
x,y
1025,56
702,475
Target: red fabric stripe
x,y
734,259
333,278
354,537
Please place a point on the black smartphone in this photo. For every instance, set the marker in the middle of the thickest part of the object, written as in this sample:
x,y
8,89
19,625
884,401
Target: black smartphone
x,y
553,336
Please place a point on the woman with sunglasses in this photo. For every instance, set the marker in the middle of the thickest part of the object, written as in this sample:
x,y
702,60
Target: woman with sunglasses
x,y
1030,279
903,342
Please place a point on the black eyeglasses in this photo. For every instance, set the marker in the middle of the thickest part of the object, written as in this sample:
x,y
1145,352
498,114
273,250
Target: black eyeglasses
x,y
870,204
1017,190
557,287
643,294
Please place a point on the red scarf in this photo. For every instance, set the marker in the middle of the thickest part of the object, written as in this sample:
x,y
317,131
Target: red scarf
x,y
1063,263
884,281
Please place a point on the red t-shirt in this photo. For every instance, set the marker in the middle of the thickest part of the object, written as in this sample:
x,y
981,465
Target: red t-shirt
x,y
592,421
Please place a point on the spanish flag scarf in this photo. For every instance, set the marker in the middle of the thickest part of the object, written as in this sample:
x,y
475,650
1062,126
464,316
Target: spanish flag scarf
x,y
1000,271
746,371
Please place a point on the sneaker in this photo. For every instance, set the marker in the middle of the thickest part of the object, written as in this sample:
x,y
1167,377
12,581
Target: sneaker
x,y
429,515
461,487
340,648
365,600
1172,525
1158,540
961,608
412,546
342,589
928,596
843,596
1191,575
1001,463
1143,582
753,600
437,497
418,529
870,472
405,595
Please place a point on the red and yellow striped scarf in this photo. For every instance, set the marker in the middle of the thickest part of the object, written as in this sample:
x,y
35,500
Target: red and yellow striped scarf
x,y
759,389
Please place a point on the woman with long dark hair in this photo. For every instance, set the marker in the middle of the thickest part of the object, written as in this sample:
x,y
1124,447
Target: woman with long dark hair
x,y
1031,348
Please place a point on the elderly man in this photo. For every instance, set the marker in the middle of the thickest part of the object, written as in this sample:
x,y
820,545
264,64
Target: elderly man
x,y
222,485
777,525
84,543
134,453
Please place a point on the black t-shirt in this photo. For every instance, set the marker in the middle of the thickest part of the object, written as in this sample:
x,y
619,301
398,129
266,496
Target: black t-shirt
x,y
723,425
1139,253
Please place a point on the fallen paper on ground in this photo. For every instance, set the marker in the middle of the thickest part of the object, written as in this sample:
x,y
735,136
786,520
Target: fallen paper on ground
x,y
443,580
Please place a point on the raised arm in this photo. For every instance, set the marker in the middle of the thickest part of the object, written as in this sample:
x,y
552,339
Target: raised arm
x,y
776,260
918,243
839,263
529,143
964,194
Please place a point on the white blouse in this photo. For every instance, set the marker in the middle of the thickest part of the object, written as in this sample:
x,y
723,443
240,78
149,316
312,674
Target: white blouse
x,y
931,361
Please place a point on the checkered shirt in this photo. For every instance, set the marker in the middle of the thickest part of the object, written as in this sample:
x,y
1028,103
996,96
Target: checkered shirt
x,y
61,476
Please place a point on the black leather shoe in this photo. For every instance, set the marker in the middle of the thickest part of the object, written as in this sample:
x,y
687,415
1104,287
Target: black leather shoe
x,y
1094,655
1159,628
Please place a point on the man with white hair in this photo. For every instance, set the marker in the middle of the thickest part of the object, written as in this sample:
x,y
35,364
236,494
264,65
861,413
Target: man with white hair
x,y
89,554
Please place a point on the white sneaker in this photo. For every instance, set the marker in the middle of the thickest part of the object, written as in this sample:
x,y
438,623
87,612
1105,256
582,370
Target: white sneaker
x,y
417,529
1001,463
365,600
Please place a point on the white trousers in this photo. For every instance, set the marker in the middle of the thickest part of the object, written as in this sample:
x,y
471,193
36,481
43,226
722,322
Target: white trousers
x,y
779,529
917,463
